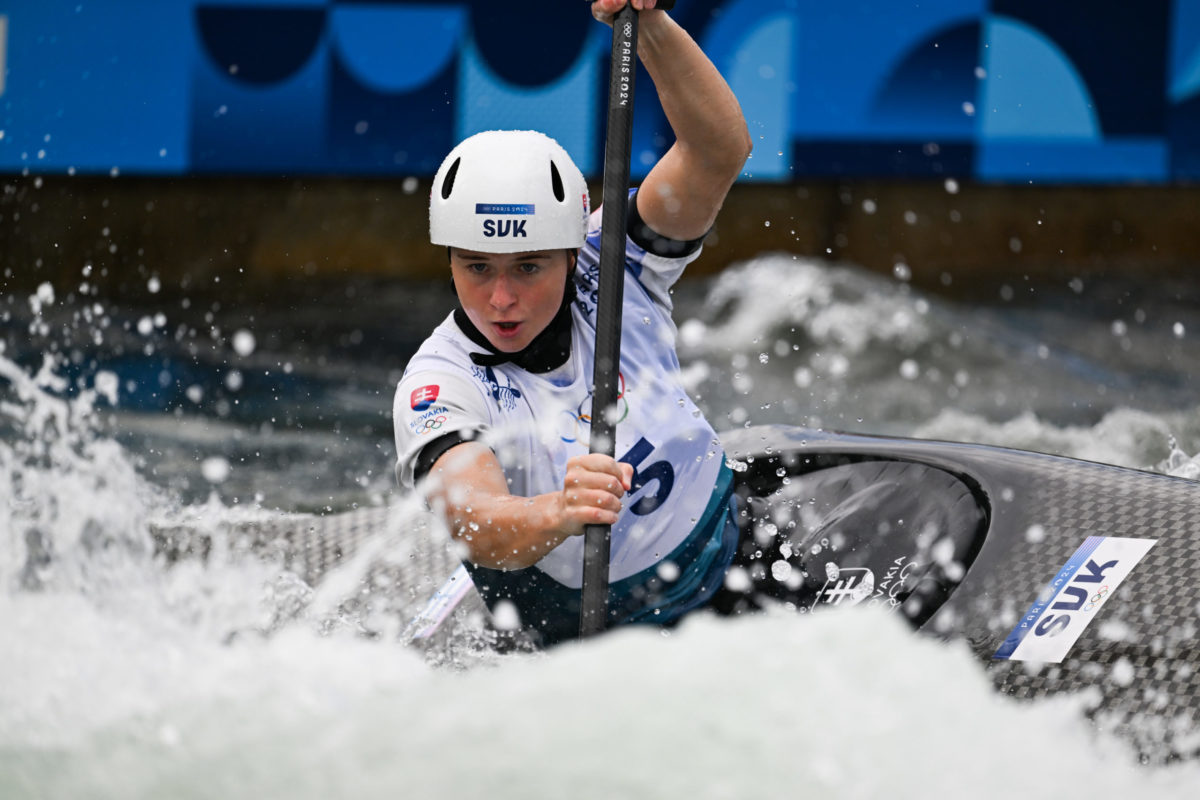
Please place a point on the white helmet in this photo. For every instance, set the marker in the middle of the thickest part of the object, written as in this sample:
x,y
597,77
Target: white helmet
x,y
508,192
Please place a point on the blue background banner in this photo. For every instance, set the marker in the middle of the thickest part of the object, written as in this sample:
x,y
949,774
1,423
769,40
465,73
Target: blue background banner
x,y
1074,91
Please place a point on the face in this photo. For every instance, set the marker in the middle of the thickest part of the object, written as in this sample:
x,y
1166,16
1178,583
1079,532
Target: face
x,y
510,297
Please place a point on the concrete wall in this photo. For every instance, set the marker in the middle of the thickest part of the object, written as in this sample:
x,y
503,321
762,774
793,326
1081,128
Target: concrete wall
x,y
255,237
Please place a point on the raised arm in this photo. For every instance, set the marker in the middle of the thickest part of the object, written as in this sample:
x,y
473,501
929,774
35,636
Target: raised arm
x,y
681,196
504,531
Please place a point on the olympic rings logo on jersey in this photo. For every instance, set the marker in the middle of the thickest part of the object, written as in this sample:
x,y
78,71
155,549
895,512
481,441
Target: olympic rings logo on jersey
x,y
570,421
422,427
430,421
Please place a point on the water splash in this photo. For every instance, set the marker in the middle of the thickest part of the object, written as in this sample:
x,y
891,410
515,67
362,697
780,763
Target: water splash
x,y
829,345
1180,464
807,303
1124,437
234,676
123,599
69,498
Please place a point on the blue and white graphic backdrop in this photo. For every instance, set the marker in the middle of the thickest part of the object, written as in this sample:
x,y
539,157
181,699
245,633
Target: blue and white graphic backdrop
x,y
998,90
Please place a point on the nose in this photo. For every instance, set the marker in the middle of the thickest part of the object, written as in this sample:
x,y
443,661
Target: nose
x,y
502,295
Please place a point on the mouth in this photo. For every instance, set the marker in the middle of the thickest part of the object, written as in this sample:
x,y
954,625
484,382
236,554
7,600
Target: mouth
x,y
506,330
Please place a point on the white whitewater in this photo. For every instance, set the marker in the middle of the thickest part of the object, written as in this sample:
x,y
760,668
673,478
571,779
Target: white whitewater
x,y
125,678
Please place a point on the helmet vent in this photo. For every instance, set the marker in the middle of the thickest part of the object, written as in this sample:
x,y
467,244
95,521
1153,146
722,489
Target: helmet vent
x,y
556,183
448,181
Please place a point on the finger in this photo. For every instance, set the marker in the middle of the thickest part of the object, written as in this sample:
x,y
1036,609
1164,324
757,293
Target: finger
x,y
596,481
596,516
586,502
596,462
577,519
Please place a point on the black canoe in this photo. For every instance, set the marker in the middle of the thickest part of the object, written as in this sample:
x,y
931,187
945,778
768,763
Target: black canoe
x,y
1060,574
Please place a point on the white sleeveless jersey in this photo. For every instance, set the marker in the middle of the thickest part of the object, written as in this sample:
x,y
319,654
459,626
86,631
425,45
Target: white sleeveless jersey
x,y
535,423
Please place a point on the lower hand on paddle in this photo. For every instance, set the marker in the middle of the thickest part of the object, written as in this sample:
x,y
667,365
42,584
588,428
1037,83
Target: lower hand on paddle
x,y
592,491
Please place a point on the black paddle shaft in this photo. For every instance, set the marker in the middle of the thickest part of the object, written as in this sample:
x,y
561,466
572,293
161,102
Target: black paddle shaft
x,y
605,375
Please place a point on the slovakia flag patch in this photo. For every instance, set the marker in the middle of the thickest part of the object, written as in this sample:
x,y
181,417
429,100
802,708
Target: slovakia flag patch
x,y
424,397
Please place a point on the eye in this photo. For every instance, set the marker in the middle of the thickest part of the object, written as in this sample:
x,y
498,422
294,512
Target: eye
x,y
529,268
477,268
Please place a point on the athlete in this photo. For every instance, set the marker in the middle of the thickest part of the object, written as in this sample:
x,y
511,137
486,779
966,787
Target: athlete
x,y
493,412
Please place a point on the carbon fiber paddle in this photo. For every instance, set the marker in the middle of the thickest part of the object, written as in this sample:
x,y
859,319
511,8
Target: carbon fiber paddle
x,y
605,375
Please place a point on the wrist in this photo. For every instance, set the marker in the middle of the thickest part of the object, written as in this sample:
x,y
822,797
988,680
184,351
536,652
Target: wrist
x,y
554,525
653,25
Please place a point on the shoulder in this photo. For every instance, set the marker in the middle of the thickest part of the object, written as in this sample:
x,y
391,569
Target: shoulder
x,y
651,258
440,369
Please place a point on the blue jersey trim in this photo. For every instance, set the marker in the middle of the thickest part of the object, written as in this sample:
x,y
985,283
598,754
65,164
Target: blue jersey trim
x,y
702,558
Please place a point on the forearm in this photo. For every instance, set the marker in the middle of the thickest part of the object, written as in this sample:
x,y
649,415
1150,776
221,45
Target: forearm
x,y
703,112
506,531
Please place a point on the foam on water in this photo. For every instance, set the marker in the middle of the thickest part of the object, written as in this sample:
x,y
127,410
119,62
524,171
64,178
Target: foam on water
x,y
128,678
1125,437
67,495
846,705
781,339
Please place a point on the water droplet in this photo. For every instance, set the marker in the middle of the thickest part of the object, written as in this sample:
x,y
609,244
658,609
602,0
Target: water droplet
x,y
668,571
215,469
738,580
244,342
505,616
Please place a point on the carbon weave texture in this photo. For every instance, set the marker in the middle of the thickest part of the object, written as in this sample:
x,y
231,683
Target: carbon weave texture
x,y
403,555
1141,651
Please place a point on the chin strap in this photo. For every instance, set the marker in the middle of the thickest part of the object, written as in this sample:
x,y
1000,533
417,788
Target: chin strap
x,y
549,350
